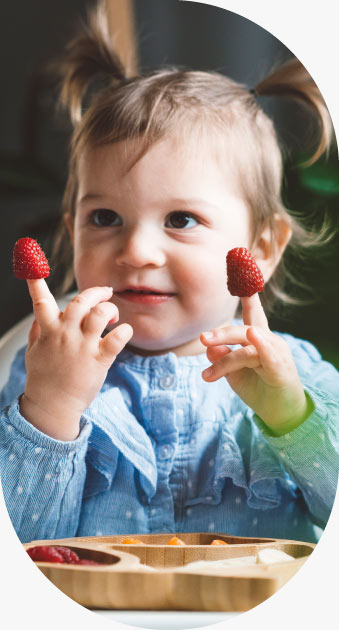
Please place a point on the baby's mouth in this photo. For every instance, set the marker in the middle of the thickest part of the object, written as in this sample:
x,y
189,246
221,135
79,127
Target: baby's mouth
x,y
141,291
144,295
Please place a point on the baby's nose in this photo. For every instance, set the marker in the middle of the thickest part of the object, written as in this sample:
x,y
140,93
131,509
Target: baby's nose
x,y
141,247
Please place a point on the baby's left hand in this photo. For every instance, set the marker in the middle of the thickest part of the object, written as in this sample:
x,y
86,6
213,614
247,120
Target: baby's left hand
x,y
262,372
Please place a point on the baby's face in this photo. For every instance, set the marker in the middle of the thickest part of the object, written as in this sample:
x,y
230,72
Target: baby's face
x,y
159,234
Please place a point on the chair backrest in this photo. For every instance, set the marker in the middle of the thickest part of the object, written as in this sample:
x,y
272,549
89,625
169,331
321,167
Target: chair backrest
x,y
16,338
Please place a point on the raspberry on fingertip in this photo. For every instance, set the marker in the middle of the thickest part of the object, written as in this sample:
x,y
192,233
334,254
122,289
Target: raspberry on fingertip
x,y
29,261
244,277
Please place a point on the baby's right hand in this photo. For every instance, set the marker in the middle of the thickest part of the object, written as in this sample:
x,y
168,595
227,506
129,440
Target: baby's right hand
x,y
67,359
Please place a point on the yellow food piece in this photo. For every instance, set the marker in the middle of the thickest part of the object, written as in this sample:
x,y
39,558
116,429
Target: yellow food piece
x,y
176,541
132,541
216,541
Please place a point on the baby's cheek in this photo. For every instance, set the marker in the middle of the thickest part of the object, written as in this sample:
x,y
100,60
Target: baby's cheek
x,y
89,271
208,290
211,293
209,276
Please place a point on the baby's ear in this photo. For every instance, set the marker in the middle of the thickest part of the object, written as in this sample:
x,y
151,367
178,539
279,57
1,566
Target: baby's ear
x,y
270,246
69,222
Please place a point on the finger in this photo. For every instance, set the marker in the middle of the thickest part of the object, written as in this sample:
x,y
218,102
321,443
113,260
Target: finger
x,y
236,360
230,335
34,333
46,310
275,356
84,302
98,318
115,341
217,352
253,313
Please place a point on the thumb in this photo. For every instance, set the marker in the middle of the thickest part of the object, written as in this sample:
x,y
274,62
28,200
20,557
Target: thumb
x,y
34,333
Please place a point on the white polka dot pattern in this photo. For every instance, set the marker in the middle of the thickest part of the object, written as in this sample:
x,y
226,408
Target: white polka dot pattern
x,y
225,467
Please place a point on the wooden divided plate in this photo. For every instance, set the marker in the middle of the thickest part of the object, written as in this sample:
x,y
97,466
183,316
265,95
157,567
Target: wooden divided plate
x,y
156,576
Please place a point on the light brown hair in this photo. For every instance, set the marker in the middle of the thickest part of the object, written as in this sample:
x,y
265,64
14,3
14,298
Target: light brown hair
x,y
169,101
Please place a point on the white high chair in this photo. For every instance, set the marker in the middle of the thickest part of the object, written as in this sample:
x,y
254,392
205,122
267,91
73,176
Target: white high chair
x,y
16,337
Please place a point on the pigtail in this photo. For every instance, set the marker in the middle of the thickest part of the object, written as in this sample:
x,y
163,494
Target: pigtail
x,y
88,55
292,80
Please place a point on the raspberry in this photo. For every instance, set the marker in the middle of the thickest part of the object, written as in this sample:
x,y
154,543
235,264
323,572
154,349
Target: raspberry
x,y
51,553
29,261
45,553
244,277
68,555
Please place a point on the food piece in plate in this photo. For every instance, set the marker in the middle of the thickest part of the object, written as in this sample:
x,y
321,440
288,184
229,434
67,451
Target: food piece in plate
x,y
217,541
55,553
244,277
176,541
45,553
132,541
216,566
270,556
29,261
68,555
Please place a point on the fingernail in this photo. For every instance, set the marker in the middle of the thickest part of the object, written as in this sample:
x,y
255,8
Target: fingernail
x,y
208,335
208,372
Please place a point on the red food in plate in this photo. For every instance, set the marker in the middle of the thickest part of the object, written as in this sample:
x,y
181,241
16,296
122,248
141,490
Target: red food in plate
x,y
45,553
69,556
57,554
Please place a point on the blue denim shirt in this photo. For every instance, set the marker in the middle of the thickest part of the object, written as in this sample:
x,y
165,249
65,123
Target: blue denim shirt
x,y
161,450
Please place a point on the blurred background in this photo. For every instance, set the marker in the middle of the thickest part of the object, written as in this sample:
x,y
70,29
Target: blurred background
x,y
34,138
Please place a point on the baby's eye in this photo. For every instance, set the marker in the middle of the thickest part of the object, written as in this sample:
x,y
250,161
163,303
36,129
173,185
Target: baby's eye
x,y
179,220
105,218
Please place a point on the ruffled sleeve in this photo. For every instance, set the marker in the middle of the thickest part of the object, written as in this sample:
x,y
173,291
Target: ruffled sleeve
x,y
255,467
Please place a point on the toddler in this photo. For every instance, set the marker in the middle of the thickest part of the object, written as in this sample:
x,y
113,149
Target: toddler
x,y
165,404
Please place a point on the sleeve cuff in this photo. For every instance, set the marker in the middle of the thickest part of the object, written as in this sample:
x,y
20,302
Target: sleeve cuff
x,y
300,444
30,433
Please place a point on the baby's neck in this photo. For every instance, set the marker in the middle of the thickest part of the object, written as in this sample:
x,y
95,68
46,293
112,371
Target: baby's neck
x,y
189,348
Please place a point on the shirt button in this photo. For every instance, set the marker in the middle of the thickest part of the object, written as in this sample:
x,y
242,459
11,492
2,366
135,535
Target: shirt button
x,y
167,381
165,451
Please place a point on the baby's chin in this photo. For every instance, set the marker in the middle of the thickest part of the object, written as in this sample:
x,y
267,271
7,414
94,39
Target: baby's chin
x,y
187,347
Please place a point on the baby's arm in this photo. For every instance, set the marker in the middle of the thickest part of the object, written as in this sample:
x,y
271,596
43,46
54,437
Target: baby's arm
x,y
310,453
309,448
42,479
66,358
43,435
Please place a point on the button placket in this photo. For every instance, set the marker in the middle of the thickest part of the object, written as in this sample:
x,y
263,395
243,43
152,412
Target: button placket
x,y
167,381
165,451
